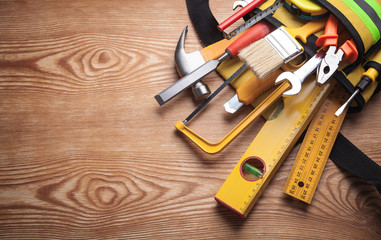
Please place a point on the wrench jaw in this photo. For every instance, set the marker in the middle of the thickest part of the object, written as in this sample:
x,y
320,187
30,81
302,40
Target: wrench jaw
x,y
241,3
187,62
296,85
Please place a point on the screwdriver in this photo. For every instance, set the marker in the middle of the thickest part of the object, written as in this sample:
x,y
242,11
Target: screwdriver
x,y
255,33
368,77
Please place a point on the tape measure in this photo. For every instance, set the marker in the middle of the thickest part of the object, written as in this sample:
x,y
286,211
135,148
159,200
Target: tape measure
x,y
306,9
316,147
270,147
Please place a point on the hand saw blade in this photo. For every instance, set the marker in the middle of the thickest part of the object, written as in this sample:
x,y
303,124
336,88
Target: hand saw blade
x,y
255,19
316,147
271,146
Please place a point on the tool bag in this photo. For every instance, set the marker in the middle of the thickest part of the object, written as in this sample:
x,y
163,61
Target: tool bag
x,y
362,21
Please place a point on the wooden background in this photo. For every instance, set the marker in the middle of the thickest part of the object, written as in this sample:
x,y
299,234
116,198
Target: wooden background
x,y
87,153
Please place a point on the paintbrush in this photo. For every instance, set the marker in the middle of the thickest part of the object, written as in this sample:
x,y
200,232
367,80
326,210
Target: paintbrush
x,y
279,47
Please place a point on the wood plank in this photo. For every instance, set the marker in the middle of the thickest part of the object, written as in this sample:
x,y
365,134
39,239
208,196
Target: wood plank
x,y
86,152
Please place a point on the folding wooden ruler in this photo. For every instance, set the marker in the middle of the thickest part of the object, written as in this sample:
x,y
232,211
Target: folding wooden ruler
x,y
270,147
316,147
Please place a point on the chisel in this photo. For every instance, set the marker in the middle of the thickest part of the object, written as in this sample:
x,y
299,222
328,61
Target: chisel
x,y
255,33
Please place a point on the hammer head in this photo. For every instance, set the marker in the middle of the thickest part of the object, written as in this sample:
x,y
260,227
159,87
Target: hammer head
x,y
187,62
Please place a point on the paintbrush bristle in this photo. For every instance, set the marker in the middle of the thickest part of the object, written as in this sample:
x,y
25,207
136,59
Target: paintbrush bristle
x,y
261,57
269,53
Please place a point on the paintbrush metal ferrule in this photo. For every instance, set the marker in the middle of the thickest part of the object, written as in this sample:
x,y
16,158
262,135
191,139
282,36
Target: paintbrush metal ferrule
x,y
285,45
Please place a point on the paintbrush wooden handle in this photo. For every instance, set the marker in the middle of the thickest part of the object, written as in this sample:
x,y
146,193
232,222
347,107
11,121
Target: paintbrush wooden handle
x,y
252,35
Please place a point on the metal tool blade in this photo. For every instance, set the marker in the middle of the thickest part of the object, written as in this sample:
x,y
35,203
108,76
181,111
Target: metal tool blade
x,y
233,104
329,65
345,105
297,78
254,19
219,89
188,80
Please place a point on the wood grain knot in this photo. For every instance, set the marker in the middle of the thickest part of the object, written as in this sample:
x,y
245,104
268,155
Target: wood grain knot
x,y
102,62
101,192
94,192
103,59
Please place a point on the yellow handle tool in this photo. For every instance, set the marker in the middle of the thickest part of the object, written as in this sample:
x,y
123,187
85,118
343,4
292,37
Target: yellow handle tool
x,y
215,50
306,9
254,87
307,29
216,147
270,147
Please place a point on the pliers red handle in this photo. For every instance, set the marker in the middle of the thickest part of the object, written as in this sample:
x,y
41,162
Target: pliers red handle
x,y
332,59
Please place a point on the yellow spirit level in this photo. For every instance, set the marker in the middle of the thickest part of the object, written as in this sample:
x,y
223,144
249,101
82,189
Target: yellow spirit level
x,y
270,147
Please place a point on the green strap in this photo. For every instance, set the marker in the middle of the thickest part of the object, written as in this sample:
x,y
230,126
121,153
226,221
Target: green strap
x,y
374,4
369,11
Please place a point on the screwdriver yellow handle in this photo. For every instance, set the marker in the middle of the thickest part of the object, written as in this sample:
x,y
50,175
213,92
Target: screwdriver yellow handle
x,y
372,73
216,147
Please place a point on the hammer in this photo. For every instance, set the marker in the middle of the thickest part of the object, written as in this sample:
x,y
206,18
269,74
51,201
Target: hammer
x,y
187,62
253,34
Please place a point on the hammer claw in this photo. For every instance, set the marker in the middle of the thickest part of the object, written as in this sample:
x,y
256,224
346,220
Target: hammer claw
x,y
187,62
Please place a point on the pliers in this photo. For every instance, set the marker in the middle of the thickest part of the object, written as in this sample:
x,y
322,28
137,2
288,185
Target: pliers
x,y
332,59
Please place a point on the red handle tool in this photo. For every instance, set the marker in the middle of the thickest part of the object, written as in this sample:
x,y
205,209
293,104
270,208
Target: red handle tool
x,y
245,10
350,51
333,57
255,33
330,34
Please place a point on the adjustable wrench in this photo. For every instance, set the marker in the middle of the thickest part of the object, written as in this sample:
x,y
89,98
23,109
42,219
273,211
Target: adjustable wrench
x,y
297,78
241,3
